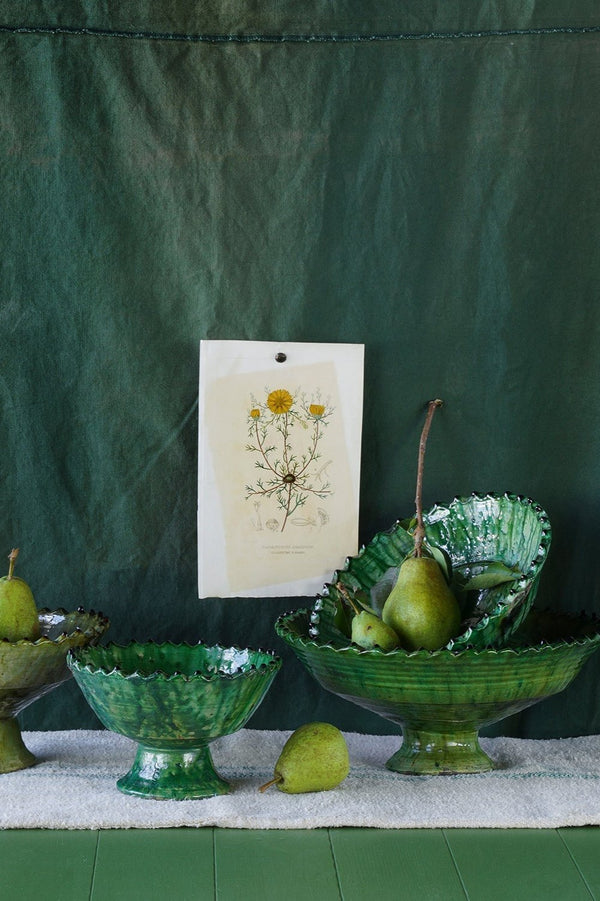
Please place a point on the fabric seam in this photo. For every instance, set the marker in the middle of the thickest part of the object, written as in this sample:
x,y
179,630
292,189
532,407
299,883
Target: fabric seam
x,y
323,38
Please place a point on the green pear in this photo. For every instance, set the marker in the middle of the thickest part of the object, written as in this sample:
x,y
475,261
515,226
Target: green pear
x,y
314,758
368,631
18,612
420,607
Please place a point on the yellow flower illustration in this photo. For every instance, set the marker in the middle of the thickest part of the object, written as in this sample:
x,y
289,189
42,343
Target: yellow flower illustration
x,y
285,433
280,401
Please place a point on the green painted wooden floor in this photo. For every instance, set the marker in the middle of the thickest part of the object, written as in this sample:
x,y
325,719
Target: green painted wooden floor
x,y
336,864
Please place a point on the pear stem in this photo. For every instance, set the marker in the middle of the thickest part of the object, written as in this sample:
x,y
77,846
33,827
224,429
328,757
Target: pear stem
x,y
12,557
347,597
271,782
420,529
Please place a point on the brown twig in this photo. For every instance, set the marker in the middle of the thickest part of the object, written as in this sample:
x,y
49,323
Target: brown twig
x,y
420,529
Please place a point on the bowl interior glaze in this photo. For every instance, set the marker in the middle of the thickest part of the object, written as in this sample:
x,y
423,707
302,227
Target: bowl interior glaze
x,y
478,529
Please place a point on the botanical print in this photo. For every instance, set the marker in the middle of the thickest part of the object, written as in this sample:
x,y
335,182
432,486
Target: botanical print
x,y
278,466
285,433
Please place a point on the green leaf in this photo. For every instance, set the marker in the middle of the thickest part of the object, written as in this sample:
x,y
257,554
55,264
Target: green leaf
x,y
442,559
362,598
408,524
342,618
486,574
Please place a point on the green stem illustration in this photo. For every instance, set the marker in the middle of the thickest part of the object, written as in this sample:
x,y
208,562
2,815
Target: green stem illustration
x,y
289,477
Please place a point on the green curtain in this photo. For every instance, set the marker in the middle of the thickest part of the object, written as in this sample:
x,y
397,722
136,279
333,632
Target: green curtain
x,y
422,180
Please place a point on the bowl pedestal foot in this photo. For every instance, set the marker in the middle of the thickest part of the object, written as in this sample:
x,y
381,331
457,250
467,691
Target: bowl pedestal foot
x,y
13,753
427,752
176,773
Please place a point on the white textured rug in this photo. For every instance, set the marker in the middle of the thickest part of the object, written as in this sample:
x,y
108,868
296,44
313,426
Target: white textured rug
x,y
537,784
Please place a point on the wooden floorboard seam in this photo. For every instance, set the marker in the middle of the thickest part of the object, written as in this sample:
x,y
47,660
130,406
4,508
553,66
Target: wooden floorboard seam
x,y
455,865
93,876
576,865
335,866
214,854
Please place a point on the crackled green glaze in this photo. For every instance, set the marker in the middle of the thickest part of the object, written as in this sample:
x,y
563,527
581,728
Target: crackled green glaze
x,y
173,774
441,699
507,528
173,699
14,755
31,669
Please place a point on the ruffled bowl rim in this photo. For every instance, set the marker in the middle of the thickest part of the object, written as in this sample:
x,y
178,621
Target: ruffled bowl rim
x,y
449,653
264,668
97,626
501,609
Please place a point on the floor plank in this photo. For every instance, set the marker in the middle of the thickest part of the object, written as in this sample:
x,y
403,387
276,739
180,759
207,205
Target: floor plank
x,y
271,865
520,864
48,864
406,863
311,865
584,846
154,864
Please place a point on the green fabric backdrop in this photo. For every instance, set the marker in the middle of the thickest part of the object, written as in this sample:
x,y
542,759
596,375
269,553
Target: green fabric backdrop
x,y
424,181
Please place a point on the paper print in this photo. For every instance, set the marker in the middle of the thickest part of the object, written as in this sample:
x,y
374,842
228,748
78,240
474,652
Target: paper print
x,y
279,461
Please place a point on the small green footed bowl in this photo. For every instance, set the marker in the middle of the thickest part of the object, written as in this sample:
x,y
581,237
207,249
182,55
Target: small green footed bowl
x,y
477,533
441,699
31,669
173,700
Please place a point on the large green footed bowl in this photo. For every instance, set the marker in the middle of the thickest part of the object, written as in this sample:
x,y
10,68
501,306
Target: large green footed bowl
x,y
441,699
30,669
473,531
173,700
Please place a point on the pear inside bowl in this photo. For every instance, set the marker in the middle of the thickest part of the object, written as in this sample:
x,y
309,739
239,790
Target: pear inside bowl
x,y
441,699
173,700
31,669
497,543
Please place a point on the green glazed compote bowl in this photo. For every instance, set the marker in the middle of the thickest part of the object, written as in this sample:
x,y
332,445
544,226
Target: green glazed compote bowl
x,y
479,534
31,669
441,699
173,700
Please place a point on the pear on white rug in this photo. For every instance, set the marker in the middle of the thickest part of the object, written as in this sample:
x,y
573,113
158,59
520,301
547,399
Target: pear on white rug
x,y
536,784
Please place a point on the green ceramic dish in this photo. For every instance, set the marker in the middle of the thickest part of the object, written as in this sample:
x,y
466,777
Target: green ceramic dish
x,y
173,700
441,699
30,669
473,531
